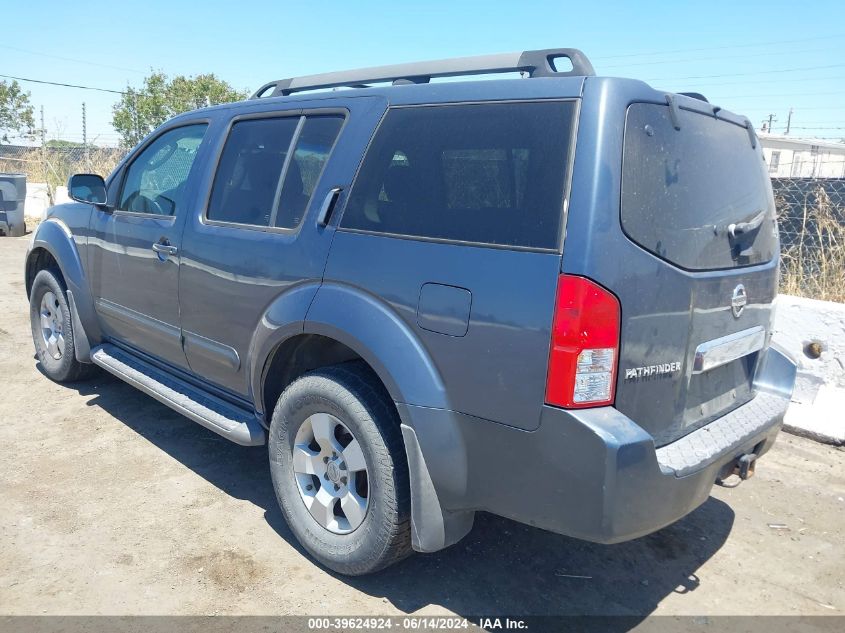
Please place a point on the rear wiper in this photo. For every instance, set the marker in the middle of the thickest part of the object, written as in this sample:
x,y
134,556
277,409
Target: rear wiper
x,y
738,229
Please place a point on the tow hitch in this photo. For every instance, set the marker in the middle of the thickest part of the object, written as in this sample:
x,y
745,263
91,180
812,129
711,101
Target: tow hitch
x,y
743,468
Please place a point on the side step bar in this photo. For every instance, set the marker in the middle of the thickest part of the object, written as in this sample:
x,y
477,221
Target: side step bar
x,y
215,414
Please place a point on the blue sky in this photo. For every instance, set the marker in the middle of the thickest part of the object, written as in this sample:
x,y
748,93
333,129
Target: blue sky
x,y
755,58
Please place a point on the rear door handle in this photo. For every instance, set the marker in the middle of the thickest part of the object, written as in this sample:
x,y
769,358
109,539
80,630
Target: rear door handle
x,y
165,247
328,205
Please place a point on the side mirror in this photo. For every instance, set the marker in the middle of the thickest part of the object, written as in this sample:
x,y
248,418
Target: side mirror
x,y
89,188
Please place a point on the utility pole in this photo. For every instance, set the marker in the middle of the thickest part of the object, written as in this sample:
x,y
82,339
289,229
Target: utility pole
x,y
85,138
771,119
788,121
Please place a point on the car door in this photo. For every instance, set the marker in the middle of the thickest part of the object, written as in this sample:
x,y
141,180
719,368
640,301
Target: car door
x,y
257,235
134,248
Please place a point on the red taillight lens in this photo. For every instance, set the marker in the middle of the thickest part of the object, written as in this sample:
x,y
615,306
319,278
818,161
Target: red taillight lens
x,y
585,345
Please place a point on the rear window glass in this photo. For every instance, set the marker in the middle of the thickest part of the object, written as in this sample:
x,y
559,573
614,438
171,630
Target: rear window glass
x,y
683,189
490,174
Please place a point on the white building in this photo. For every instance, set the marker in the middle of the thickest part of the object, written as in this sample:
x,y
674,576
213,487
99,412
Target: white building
x,y
790,157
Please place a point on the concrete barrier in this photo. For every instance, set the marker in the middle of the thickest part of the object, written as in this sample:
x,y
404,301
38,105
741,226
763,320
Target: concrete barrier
x,y
813,332
38,201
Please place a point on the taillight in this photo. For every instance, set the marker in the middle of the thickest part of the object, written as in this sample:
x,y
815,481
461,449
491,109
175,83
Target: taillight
x,y
585,345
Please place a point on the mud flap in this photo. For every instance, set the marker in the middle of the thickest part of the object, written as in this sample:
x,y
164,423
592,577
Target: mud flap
x,y
81,345
432,528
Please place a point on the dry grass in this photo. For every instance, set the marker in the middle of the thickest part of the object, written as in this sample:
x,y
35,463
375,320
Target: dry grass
x,y
31,223
62,166
54,166
815,266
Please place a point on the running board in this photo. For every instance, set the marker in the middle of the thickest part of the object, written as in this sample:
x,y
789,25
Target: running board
x,y
213,413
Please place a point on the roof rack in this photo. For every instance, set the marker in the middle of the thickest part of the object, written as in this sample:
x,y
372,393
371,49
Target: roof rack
x,y
540,63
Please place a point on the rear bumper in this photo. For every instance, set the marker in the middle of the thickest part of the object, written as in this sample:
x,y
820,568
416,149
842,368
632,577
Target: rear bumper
x,y
593,474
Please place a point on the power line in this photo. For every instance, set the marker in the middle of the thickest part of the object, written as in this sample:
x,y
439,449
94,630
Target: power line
x,y
836,108
787,94
699,59
836,121
717,48
764,81
69,59
55,83
759,72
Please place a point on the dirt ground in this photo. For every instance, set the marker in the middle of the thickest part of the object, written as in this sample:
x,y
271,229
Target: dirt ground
x,y
110,503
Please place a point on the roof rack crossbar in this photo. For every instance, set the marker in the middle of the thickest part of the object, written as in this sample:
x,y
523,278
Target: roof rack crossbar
x,y
539,63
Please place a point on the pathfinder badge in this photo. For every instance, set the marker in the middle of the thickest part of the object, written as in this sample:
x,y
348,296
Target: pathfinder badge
x,y
652,370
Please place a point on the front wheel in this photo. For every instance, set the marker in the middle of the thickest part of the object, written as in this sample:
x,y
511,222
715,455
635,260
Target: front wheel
x,y
339,469
52,332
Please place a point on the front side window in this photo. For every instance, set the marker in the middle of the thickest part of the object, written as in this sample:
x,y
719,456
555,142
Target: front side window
x,y
155,181
248,187
483,173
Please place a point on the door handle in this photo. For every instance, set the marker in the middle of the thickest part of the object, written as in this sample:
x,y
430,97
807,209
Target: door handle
x,y
327,207
165,248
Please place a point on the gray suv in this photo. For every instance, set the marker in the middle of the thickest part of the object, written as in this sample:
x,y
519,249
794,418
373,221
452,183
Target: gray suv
x,y
548,297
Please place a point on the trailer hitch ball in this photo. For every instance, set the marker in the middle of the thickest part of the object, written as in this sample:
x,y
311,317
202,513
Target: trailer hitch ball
x,y
745,466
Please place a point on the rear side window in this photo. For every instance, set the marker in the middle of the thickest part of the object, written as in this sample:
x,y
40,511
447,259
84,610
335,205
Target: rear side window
x,y
682,189
312,151
247,177
248,187
488,173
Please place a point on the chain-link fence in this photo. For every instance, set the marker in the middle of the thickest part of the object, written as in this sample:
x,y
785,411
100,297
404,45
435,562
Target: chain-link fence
x,y
54,165
811,216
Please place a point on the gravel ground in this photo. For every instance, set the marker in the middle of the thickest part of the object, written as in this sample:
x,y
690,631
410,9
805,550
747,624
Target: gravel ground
x,y
110,503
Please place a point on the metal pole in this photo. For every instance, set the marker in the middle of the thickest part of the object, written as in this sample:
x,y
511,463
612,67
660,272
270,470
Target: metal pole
x,y
85,139
44,158
137,120
788,121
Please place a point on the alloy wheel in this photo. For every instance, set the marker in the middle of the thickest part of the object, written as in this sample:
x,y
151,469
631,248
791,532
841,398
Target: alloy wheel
x,y
331,473
52,324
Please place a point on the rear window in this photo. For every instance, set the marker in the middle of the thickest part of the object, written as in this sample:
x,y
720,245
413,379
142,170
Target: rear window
x,y
682,189
489,174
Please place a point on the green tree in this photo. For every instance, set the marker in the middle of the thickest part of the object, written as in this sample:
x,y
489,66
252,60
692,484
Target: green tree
x,y
61,144
141,110
16,113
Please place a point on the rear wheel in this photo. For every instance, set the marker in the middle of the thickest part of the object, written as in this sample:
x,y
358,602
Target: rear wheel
x,y
52,331
339,469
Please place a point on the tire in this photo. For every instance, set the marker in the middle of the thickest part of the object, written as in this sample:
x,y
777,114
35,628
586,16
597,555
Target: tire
x,y
351,397
49,312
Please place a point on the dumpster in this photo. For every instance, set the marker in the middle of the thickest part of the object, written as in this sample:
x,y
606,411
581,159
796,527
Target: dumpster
x,y
12,197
